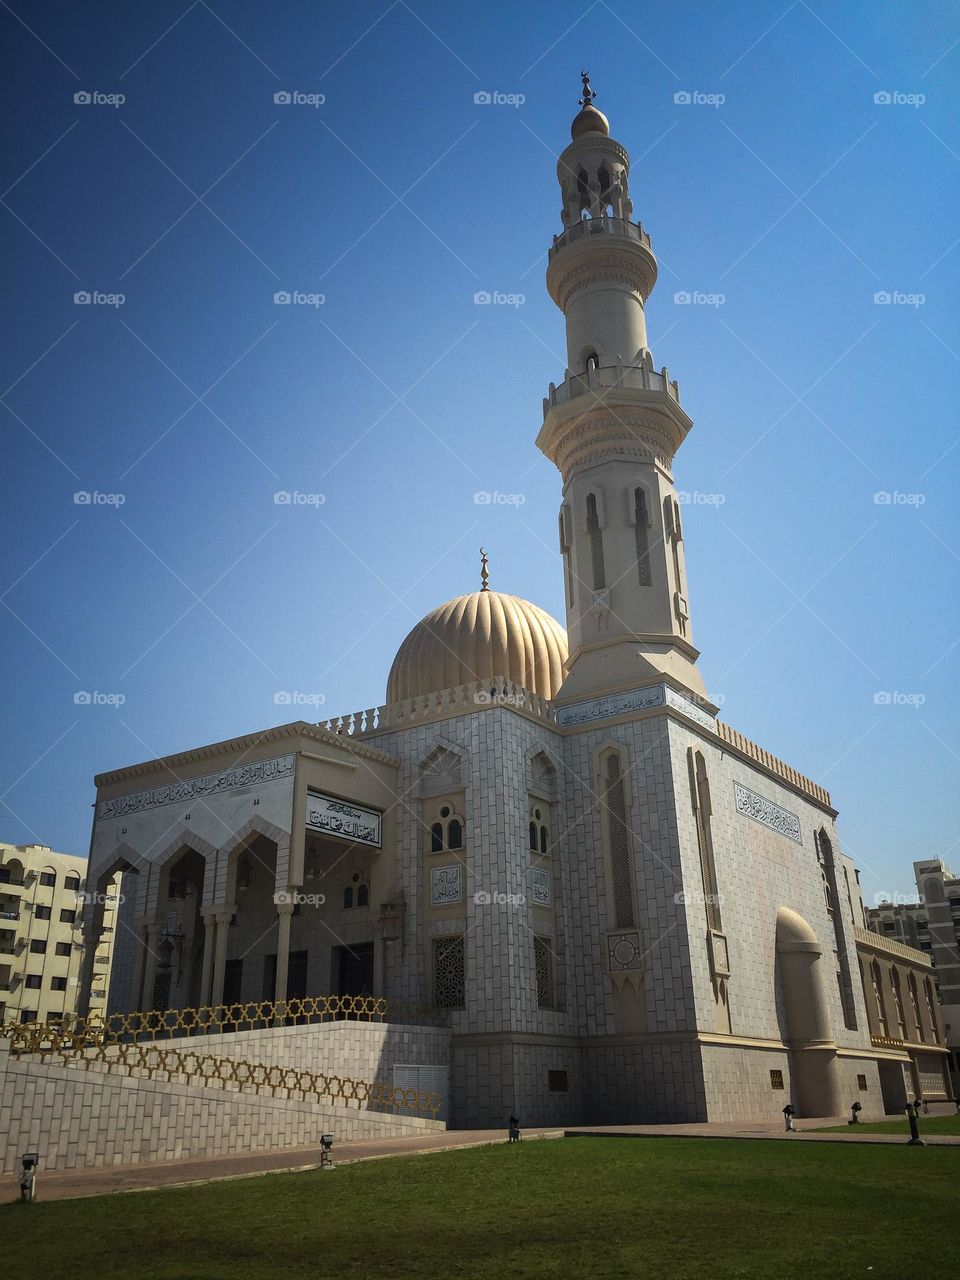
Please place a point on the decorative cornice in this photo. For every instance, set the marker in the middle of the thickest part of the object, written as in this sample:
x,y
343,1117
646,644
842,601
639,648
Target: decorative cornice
x,y
245,743
615,428
585,262
585,143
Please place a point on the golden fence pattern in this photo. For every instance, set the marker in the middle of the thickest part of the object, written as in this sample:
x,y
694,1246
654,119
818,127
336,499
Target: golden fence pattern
x,y
162,1024
185,1066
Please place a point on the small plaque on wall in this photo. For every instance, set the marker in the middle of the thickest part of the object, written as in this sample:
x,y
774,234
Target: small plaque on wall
x,y
445,885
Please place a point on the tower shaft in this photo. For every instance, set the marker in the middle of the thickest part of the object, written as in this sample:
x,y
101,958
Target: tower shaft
x,y
612,428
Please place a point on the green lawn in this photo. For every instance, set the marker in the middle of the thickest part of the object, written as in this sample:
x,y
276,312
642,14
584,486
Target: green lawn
x,y
577,1207
949,1125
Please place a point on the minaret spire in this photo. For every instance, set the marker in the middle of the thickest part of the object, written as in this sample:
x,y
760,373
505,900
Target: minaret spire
x,y
484,574
612,428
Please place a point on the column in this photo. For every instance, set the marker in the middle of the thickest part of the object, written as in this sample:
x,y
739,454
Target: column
x,y
209,916
284,916
150,936
223,918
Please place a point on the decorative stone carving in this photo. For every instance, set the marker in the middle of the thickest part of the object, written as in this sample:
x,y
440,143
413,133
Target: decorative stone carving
x,y
446,885
541,776
624,953
767,812
441,772
540,886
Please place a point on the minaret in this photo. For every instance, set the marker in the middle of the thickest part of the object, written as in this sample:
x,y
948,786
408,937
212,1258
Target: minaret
x,y
612,428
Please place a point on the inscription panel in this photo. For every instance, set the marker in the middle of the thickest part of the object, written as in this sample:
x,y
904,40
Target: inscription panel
x,y
772,815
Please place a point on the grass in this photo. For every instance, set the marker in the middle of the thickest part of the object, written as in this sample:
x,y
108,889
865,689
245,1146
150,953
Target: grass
x,y
583,1207
948,1125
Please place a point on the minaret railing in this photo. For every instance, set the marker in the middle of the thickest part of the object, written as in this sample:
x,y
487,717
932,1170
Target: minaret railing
x,y
633,377
606,224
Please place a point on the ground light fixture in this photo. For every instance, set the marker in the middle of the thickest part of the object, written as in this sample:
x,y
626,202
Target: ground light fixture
x,y
326,1149
28,1175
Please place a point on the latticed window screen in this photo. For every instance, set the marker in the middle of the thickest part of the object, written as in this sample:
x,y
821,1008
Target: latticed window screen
x,y
449,972
596,543
640,527
776,1079
620,863
543,960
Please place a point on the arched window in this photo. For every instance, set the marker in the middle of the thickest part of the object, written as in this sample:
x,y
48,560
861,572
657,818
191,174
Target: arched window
x,y
72,881
878,997
592,361
348,896
446,831
915,1002
596,543
641,521
931,1008
539,828
363,895
898,1003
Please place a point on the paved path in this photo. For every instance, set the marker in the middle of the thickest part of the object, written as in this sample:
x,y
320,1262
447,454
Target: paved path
x,y
73,1183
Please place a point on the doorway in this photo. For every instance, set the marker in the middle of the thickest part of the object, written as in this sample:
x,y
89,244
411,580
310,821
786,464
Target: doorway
x,y
353,967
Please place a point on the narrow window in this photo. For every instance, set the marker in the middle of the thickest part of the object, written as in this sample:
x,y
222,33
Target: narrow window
x,y
931,1009
640,528
620,867
363,895
449,972
596,543
533,836
700,795
898,1004
915,1001
455,834
543,839
543,962
878,997
348,897
565,554
436,837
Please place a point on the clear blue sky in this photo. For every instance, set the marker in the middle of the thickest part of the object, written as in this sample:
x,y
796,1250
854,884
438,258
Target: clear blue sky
x,y
798,198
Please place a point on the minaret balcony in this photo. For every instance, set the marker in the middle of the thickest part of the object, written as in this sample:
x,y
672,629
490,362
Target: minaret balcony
x,y
602,226
600,381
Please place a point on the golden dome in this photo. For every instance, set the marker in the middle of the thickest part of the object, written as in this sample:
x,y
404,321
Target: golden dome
x,y
590,120
474,637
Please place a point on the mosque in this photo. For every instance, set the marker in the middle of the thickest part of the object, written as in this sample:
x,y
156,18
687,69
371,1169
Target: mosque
x,y
623,909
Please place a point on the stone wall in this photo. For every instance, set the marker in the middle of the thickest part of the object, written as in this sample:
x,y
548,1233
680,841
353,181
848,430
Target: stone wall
x,y
77,1117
